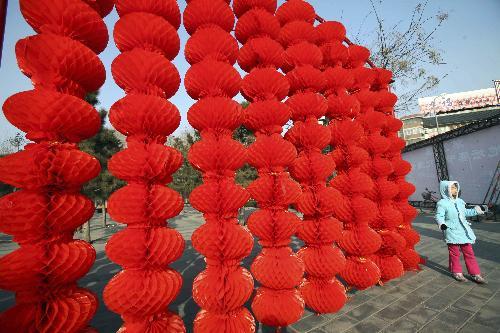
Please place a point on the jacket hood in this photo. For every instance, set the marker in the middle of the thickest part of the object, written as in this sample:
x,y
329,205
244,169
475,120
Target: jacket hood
x,y
445,188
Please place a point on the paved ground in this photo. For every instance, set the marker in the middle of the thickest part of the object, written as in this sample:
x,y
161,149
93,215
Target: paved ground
x,y
428,301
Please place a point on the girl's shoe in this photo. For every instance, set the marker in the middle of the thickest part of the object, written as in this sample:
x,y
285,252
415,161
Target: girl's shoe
x,y
478,279
459,277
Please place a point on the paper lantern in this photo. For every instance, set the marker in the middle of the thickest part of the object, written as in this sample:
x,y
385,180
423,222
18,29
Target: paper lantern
x,y
224,286
390,266
362,273
143,290
62,63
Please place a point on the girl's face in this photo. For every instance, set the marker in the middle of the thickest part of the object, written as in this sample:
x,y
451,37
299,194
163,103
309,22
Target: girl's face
x,y
454,190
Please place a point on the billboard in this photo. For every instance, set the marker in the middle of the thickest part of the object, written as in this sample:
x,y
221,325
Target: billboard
x,y
472,160
423,173
457,101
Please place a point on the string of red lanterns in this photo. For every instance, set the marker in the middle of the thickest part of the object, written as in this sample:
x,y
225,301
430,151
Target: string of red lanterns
x,y
224,286
322,292
145,287
277,268
42,216
379,124
367,197
355,209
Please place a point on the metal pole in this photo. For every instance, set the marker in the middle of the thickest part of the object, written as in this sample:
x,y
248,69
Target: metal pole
x,y
3,18
437,124
497,89
435,111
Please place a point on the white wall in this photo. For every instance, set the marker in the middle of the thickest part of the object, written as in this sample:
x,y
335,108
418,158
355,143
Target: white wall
x,y
423,173
472,160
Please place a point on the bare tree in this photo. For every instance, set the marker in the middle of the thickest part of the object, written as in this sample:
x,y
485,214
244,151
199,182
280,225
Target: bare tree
x,y
407,48
13,144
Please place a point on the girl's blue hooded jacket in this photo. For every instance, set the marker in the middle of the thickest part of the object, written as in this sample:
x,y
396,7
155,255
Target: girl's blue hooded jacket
x,y
452,213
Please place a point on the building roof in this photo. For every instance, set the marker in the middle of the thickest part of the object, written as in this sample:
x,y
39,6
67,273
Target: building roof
x,y
445,119
462,130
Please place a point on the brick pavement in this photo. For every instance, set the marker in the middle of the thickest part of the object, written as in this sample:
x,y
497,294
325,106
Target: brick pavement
x,y
428,301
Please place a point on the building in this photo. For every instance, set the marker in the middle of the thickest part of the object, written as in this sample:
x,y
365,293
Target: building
x,y
443,113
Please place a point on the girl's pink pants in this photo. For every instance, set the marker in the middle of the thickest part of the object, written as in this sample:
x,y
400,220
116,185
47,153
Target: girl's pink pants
x,y
470,259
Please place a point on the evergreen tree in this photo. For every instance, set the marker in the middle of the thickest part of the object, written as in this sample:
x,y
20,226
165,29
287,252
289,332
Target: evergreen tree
x,y
102,146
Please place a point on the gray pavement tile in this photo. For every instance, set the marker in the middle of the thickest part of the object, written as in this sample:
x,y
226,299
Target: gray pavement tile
x,y
485,291
391,312
472,327
455,317
488,268
488,316
376,291
495,300
364,310
421,315
371,324
469,302
426,272
403,289
419,281
494,275
385,299
309,323
357,300
339,324
446,296
406,278
437,326
411,300
353,303
402,325
437,302
444,279
359,297
428,290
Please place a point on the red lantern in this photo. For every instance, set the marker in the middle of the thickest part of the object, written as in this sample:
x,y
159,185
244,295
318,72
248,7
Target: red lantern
x,y
143,290
42,216
302,61
223,288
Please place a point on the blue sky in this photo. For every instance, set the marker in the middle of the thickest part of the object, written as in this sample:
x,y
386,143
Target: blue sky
x,y
469,42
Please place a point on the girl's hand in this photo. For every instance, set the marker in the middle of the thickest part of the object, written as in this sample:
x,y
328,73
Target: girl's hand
x,y
481,210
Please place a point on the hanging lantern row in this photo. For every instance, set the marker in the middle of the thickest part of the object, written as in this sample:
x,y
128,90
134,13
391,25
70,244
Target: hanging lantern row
x,y
344,71
61,61
408,237
277,268
143,290
303,60
377,123
224,286
357,226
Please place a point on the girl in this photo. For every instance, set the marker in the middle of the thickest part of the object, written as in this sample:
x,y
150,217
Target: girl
x,y
450,216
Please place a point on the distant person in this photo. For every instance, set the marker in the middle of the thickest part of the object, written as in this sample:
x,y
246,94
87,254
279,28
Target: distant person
x,y
451,217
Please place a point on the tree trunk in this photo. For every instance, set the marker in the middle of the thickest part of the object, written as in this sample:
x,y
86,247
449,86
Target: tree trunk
x,y
86,232
104,217
241,215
